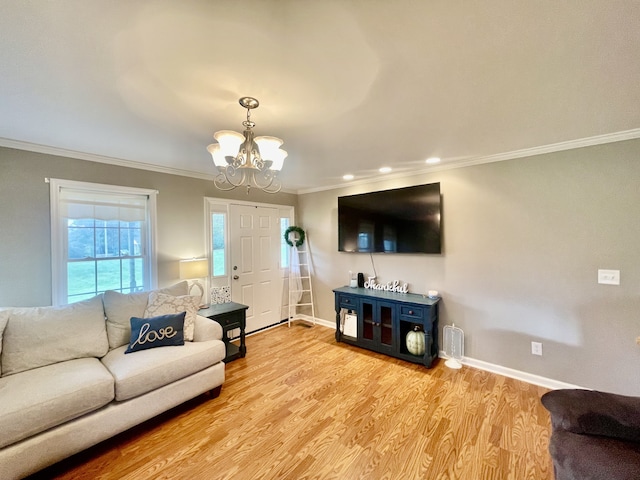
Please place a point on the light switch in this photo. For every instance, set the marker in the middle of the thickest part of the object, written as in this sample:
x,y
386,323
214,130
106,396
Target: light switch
x,y
609,277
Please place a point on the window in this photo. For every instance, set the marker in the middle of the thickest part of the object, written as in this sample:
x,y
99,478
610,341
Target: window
x,y
284,247
102,238
218,244
217,241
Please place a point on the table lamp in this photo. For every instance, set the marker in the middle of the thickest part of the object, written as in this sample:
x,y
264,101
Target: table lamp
x,y
195,269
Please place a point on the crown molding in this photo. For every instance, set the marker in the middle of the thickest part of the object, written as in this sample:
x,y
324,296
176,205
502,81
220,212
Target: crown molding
x,y
499,157
552,148
447,165
92,157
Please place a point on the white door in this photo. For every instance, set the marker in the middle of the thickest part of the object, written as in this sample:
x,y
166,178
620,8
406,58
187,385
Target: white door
x,y
255,276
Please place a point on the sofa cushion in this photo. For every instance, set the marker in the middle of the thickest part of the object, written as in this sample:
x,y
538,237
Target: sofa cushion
x,y
163,304
577,456
161,331
39,336
150,369
591,412
4,318
120,307
39,399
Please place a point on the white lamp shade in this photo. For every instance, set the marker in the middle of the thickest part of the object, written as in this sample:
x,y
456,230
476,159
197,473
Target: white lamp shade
x,y
269,144
278,160
194,268
229,141
216,154
270,150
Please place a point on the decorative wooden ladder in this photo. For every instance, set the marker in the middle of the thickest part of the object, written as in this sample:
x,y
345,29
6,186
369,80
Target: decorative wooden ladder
x,y
304,291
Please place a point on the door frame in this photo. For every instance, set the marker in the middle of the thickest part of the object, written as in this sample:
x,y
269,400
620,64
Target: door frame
x,y
222,205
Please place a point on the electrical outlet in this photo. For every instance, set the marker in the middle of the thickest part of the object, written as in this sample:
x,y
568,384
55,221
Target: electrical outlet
x,y
609,277
536,348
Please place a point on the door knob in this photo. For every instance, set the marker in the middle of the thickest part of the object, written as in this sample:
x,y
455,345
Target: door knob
x,y
236,277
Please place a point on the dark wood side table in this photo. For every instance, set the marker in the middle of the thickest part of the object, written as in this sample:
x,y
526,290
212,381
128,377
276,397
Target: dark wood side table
x,y
230,316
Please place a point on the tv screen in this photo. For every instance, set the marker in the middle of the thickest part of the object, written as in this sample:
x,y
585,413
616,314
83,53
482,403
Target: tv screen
x,y
402,220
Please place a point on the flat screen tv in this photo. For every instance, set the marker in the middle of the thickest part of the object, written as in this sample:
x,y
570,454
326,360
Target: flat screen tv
x,y
402,220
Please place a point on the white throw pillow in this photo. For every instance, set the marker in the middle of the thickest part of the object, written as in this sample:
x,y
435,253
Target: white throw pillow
x,y
162,304
120,307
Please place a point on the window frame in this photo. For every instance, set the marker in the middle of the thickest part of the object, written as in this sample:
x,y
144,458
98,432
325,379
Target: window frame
x,y
219,209
59,233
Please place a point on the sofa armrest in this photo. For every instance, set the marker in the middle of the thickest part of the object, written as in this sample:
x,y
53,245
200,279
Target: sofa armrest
x,y
594,413
206,329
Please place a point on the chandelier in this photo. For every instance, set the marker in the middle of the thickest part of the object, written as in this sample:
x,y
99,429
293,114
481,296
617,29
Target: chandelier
x,y
242,159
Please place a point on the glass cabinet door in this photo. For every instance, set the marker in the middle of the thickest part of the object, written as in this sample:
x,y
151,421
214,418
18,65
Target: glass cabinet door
x,y
385,324
376,324
366,321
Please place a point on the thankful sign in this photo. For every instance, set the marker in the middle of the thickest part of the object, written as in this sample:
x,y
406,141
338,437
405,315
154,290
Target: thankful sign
x,y
393,286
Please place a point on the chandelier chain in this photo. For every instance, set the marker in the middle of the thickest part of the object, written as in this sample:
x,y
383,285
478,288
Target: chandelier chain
x,y
248,123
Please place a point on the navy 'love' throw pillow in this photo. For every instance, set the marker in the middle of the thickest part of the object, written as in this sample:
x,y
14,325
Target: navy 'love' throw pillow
x,y
162,331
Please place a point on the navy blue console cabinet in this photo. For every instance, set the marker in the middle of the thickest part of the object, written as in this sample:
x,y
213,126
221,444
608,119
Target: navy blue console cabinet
x,y
385,318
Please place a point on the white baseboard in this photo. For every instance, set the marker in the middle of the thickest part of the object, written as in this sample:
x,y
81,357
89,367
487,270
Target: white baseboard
x,y
517,374
317,321
479,364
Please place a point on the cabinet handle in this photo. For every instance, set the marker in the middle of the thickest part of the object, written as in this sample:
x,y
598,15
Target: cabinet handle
x,y
410,312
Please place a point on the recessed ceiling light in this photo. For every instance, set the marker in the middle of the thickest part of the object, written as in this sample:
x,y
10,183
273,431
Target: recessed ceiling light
x,y
348,176
385,169
433,160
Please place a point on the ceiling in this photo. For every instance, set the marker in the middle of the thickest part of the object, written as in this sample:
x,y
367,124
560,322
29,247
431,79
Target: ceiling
x,y
350,85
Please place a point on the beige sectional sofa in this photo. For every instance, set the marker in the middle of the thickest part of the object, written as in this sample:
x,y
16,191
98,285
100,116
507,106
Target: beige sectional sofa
x,y
66,382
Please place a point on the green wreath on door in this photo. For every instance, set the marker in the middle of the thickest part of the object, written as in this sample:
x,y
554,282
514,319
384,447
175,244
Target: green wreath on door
x,y
300,233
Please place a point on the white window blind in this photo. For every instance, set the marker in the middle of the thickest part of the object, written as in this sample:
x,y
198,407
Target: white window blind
x,y
103,238
77,204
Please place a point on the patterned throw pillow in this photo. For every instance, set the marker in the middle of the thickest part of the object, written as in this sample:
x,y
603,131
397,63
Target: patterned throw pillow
x,y
162,331
120,307
162,304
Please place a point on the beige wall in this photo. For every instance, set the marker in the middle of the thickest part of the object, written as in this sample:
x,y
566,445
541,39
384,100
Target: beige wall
x,y
523,240
25,247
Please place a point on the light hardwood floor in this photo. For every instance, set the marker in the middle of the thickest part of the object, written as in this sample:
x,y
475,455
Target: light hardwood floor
x,y
301,406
